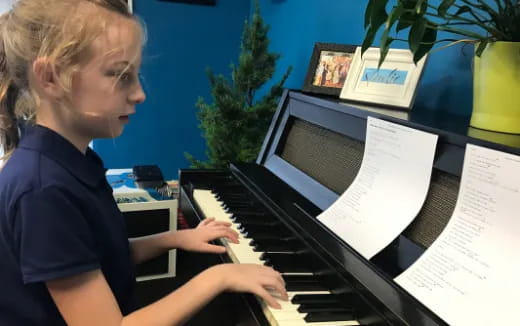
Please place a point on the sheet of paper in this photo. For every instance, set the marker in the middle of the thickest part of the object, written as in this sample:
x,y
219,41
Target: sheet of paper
x,y
470,274
389,189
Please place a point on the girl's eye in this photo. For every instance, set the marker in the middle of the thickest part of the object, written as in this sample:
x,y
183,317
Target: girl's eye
x,y
123,78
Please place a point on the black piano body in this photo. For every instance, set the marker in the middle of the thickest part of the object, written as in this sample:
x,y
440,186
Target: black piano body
x,y
311,154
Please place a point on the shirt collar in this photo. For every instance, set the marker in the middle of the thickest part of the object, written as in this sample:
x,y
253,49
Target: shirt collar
x,y
88,168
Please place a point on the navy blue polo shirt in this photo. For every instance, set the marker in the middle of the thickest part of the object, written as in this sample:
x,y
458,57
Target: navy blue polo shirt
x,y
57,219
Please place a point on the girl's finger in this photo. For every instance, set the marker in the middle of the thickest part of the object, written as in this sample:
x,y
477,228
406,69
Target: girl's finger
x,y
227,230
215,249
271,272
232,235
207,221
262,293
226,233
221,223
277,285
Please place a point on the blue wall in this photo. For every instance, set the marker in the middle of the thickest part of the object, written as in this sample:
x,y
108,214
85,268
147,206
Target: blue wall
x,y
183,40
297,24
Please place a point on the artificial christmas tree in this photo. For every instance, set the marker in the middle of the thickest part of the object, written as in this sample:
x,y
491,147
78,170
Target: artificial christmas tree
x,y
235,125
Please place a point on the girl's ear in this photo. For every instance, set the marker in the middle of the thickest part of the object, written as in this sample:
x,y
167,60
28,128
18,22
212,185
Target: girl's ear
x,y
45,78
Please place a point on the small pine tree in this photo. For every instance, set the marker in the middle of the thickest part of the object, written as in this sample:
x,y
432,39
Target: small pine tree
x,y
235,125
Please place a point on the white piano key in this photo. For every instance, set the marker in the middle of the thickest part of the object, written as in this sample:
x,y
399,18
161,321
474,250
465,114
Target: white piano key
x,y
244,253
291,294
321,323
297,273
289,316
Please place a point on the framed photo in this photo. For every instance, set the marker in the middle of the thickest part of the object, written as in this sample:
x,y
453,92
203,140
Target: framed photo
x,y
393,84
328,69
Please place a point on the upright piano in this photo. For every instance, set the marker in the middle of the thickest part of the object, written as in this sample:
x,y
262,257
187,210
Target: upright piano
x,y
311,154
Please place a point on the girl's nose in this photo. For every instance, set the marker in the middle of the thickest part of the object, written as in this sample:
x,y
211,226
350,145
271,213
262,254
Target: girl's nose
x,y
138,96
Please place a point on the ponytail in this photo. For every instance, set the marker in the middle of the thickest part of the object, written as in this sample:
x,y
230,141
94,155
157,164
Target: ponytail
x,y
8,95
44,28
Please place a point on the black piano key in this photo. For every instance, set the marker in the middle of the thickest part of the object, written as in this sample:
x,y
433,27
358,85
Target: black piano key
x,y
267,237
249,212
262,218
231,196
229,191
305,287
236,201
277,245
301,278
303,283
315,298
325,307
230,207
265,222
315,317
257,231
287,263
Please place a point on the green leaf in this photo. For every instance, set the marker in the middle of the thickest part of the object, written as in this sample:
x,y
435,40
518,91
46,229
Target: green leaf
x,y
416,34
369,39
368,12
462,10
443,8
408,4
481,47
428,40
407,17
421,6
385,46
392,18
395,14
402,25
378,15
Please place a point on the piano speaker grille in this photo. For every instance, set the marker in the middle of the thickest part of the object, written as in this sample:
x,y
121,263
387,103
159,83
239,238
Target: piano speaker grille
x,y
324,155
436,211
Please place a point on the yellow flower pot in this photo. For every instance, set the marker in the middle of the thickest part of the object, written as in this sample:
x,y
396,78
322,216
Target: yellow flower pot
x,y
496,88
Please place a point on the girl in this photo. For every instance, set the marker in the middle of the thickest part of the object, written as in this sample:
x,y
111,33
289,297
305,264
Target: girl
x,y
69,74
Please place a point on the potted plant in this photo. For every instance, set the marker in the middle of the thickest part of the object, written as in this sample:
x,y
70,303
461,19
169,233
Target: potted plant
x,y
492,25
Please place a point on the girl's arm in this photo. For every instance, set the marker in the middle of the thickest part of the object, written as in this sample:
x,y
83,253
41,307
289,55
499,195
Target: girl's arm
x,y
86,299
196,239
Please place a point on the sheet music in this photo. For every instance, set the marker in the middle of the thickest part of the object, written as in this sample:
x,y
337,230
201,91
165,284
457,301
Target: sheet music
x,y
389,189
469,276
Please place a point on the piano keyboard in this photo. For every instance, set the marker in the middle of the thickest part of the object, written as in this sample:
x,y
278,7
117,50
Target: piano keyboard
x,y
264,240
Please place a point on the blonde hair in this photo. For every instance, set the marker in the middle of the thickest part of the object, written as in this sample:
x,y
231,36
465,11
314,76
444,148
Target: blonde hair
x,y
59,30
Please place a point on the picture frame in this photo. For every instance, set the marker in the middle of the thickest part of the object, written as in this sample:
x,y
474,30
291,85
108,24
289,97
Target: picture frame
x,y
393,84
328,68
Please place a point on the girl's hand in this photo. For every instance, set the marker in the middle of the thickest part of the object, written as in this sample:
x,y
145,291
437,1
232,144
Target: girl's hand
x,y
208,230
261,280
